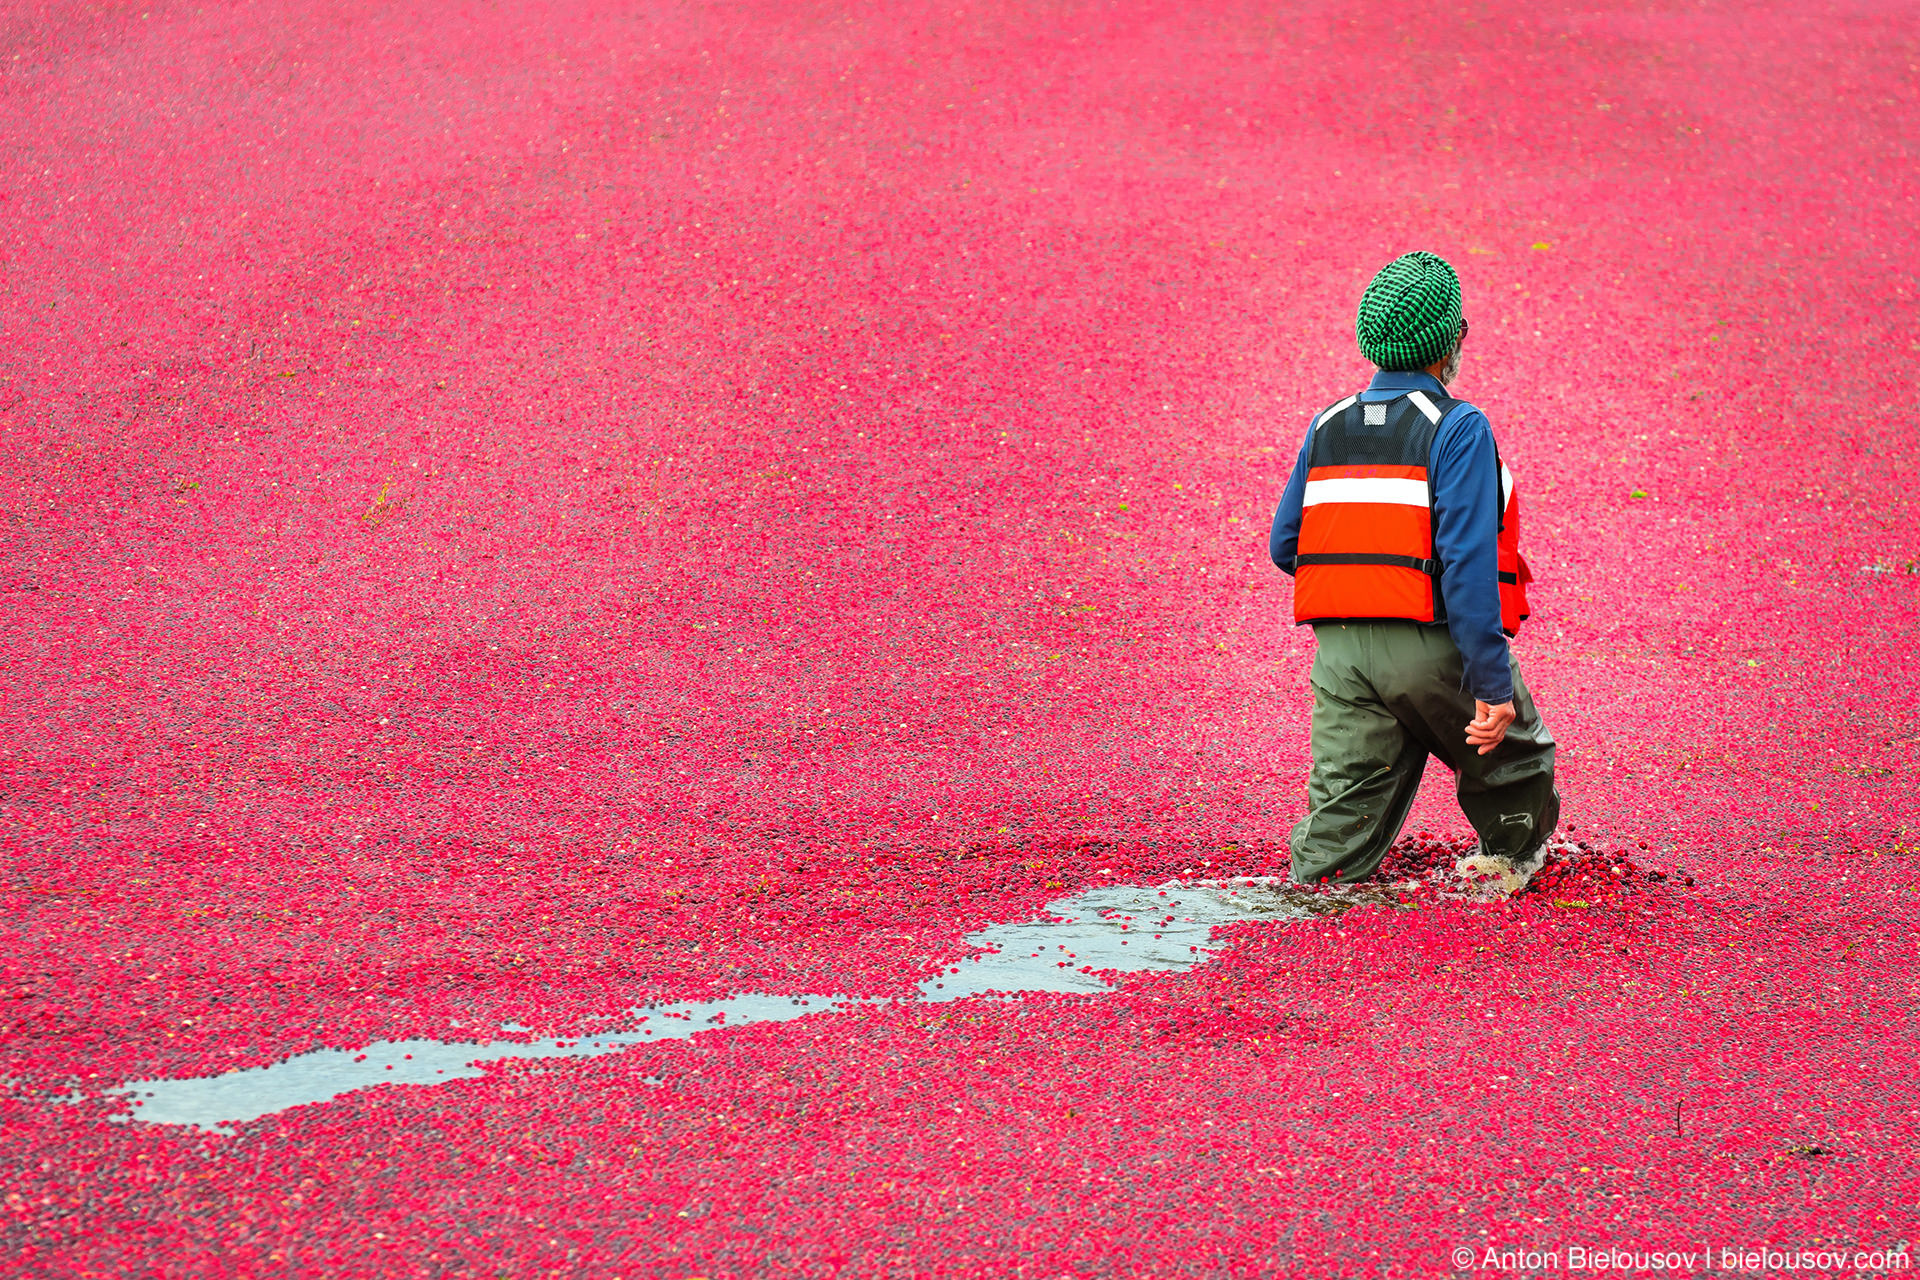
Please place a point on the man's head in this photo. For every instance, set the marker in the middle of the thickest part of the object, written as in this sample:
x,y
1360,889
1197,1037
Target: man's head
x,y
1410,316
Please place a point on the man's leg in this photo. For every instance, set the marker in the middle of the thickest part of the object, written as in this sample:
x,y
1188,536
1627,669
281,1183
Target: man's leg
x,y
1507,794
1366,769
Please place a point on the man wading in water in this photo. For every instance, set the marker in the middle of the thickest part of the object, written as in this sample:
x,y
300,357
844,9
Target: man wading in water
x,y
1401,529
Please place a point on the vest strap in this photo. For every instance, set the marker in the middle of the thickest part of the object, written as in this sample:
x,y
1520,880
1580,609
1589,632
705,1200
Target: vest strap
x,y
1335,410
1429,567
1425,406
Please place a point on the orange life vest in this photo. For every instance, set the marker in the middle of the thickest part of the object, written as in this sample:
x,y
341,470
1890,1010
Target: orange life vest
x,y
1514,574
1366,523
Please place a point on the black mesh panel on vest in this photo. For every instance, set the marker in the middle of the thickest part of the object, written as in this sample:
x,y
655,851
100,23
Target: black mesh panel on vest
x,y
1405,439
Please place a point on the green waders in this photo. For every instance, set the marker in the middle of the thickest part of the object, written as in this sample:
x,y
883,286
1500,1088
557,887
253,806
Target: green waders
x,y
1385,695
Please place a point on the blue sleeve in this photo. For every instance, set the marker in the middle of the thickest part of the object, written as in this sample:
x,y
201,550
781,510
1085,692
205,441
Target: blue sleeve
x,y
1283,541
1466,529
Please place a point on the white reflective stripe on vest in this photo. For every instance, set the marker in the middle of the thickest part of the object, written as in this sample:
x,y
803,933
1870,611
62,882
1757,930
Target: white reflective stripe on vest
x,y
1342,407
1400,493
1425,405
1506,486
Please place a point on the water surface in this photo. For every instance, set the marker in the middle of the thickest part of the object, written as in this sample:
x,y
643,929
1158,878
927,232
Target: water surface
x,y
1114,928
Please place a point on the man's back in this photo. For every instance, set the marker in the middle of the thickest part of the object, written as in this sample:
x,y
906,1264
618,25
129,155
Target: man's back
x,y
1463,478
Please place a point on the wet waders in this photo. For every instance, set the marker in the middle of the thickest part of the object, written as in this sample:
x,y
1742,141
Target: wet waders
x,y
1385,696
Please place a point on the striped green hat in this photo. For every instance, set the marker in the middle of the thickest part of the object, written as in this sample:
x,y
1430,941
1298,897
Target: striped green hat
x,y
1410,314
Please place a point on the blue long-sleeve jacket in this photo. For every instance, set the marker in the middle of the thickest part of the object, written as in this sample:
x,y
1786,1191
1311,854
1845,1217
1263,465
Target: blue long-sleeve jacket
x,y
1466,523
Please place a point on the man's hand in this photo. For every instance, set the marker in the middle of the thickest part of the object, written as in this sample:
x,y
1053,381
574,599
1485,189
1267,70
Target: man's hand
x,y
1489,725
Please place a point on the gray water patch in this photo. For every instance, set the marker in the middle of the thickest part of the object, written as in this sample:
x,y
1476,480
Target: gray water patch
x,y
1124,927
217,1102
1129,928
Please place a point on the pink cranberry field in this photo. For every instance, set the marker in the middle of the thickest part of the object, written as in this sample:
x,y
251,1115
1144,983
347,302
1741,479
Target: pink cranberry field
x,y
527,522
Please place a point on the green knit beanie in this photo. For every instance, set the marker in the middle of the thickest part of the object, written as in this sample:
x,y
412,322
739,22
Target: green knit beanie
x,y
1410,314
